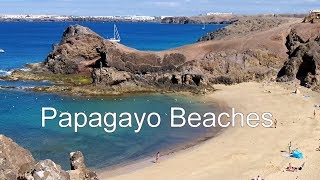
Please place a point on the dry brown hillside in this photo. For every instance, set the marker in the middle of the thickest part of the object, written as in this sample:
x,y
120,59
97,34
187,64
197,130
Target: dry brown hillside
x,y
254,56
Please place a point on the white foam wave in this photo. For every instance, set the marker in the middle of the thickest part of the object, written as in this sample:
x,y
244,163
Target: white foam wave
x,y
5,73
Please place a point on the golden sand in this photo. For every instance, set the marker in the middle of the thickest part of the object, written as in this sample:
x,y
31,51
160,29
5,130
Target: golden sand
x,y
245,153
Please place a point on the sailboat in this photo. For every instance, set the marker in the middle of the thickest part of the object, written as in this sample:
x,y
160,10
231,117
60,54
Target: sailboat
x,y
116,36
204,26
2,51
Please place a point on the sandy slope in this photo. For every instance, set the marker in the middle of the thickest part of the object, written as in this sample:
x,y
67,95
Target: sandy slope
x,y
272,40
244,153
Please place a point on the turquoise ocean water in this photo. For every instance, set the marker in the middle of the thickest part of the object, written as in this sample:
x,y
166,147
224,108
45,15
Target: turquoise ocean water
x,y
20,111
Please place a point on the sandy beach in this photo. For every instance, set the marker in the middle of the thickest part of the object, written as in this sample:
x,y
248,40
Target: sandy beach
x,y
245,153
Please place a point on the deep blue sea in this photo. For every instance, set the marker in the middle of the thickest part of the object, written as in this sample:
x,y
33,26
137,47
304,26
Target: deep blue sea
x,y
20,110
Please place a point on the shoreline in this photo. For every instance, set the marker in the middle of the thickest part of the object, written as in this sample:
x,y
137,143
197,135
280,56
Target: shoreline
x,y
246,152
140,163
147,160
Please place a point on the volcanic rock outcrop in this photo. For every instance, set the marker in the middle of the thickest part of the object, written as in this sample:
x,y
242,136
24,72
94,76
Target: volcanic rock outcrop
x,y
303,43
251,50
81,51
18,163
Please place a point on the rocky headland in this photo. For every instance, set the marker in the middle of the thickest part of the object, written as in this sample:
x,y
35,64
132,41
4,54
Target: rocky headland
x,y
265,49
84,63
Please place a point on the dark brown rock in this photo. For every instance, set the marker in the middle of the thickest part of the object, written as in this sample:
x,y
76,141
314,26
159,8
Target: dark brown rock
x,y
78,45
303,45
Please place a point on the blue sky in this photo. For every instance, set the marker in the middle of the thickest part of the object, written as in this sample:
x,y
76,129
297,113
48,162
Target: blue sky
x,y
154,7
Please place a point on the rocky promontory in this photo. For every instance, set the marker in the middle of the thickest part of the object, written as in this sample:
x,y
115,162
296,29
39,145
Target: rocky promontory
x,y
303,43
84,63
113,67
18,163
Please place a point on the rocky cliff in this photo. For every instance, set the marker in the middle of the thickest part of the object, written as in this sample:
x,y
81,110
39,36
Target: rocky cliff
x,y
18,163
303,43
81,51
251,50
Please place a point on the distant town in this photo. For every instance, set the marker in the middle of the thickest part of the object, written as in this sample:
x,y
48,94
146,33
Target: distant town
x,y
205,18
135,18
29,17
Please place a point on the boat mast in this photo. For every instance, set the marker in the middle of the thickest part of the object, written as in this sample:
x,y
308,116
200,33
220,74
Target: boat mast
x,y
116,33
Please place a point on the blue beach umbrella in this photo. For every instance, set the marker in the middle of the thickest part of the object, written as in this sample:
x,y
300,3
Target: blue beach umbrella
x,y
297,154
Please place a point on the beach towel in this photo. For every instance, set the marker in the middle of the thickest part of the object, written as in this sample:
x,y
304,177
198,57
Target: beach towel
x,y
297,154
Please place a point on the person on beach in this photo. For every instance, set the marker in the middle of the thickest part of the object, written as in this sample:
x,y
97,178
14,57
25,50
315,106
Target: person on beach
x,y
314,114
290,146
291,168
157,157
275,123
294,169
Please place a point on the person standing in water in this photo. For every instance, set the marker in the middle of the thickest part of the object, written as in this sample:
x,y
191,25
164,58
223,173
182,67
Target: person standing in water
x,y
157,157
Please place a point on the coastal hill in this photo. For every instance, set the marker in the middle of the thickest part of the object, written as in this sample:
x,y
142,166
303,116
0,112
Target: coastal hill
x,y
206,19
222,18
88,64
255,54
245,26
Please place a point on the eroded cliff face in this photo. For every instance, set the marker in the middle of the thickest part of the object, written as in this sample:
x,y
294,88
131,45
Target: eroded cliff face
x,y
256,56
81,51
18,163
303,43
75,50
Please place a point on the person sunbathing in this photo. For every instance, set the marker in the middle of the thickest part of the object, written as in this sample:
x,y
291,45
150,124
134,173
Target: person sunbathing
x,y
291,168
294,169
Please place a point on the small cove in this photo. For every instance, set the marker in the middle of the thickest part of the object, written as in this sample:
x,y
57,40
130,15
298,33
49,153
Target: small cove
x,y
20,110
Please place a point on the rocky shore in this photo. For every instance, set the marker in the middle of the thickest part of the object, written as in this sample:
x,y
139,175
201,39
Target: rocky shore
x,y
18,163
84,63
265,49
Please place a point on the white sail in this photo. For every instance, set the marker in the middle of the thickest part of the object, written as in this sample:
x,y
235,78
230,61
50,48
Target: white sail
x,y
116,35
